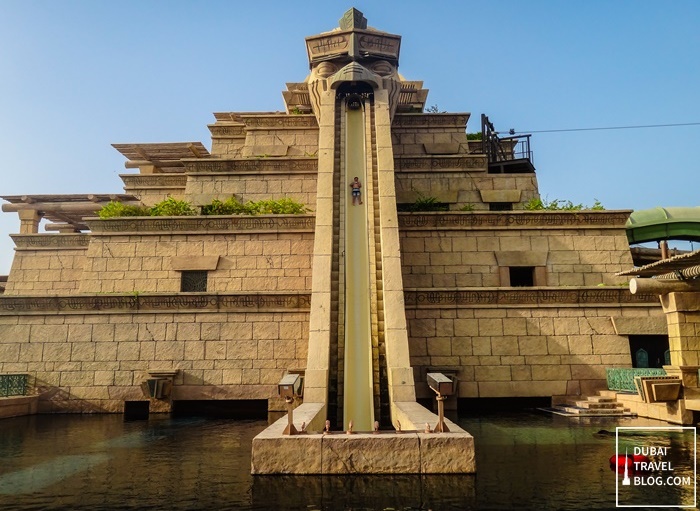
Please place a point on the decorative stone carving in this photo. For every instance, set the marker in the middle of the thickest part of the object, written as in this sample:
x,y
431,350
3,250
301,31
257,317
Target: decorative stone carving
x,y
551,296
353,54
175,302
439,163
255,165
227,224
51,241
515,219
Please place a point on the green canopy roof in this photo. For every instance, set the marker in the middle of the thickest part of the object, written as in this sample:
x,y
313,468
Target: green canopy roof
x,y
658,224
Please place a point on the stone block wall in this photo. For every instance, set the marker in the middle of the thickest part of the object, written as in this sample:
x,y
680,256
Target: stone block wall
x,y
203,188
227,136
411,132
298,142
470,257
45,272
255,262
154,188
92,362
460,189
518,350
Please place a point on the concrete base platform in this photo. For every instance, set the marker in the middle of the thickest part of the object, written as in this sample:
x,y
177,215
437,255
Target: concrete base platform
x,y
676,412
336,453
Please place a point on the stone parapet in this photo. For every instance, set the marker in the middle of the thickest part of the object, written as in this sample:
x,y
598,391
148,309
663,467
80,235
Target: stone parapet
x,y
199,302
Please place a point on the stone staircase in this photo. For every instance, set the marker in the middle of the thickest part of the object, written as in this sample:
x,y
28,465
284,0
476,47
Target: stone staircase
x,y
603,405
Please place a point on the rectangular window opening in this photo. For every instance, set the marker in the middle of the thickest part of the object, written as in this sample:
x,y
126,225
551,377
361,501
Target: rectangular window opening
x,y
522,276
193,281
500,206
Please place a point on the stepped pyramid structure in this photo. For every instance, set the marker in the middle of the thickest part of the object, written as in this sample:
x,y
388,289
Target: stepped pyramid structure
x,y
440,269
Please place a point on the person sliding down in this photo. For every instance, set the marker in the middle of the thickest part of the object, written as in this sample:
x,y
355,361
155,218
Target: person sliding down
x,y
355,186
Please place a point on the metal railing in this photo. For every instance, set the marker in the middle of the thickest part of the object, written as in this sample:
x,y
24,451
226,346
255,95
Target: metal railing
x,y
13,385
499,149
622,378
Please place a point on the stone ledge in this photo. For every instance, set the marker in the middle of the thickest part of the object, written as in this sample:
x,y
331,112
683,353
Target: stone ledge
x,y
18,406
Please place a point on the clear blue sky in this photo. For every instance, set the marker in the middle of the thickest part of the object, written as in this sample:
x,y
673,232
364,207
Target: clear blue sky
x,y
79,75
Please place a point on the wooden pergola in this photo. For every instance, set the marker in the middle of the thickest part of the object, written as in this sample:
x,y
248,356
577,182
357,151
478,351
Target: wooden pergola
x,y
680,273
161,158
64,212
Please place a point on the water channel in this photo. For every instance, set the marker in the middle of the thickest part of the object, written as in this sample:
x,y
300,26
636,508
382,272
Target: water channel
x,y
528,460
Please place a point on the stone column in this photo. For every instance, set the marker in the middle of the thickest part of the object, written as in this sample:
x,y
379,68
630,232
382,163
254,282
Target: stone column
x,y
29,221
318,359
683,319
400,373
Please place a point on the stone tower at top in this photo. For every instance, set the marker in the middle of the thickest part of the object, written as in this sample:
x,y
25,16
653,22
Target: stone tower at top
x,y
357,54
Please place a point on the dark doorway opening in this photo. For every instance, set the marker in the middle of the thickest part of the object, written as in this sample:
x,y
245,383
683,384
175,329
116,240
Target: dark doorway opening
x,y
649,350
253,409
136,410
478,405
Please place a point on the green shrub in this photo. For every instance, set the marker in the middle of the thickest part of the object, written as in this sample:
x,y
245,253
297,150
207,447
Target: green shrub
x,y
230,206
115,209
474,136
172,207
276,207
537,204
424,203
233,206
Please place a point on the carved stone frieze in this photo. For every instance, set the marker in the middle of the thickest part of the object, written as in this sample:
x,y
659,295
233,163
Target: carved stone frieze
x,y
515,219
430,120
227,224
227,131
439,163
612,296
254,165
50,241
153,303
153,180
280,121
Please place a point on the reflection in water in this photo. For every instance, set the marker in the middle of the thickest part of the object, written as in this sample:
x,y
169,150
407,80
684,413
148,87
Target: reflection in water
x,y
524,461
365,492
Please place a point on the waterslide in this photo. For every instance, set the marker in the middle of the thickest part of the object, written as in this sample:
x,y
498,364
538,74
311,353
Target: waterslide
x,y
358,395
658,224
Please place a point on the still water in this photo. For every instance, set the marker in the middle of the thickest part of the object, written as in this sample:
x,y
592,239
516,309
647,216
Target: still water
x,y
528,460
